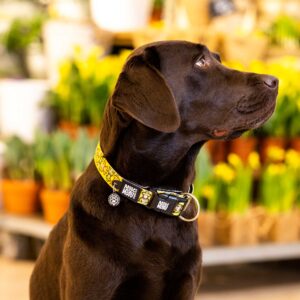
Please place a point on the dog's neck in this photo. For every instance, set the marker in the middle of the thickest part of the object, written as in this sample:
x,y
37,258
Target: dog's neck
x,y
145,156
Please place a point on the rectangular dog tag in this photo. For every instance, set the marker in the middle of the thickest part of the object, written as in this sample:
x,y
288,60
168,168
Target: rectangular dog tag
x,y
128,190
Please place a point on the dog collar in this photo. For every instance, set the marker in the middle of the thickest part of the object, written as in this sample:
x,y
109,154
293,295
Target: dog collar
x,y
171,203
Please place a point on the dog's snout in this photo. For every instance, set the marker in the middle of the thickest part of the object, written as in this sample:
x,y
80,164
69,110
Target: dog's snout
x,y
270,81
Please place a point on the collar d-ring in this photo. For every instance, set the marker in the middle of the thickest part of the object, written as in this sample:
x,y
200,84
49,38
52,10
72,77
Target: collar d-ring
x,y
197,204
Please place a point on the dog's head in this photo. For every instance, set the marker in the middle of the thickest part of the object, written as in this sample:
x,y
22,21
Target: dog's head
x,y
171,86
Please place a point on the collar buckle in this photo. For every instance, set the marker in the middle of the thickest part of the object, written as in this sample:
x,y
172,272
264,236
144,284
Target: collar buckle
x,y
170,203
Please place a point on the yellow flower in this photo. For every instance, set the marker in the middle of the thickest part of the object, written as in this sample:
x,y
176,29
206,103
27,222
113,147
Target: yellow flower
x,y
254,161
63,90
84,70
276,169
292,158
224,172
208,191
298,104
64,69
234,160
275,153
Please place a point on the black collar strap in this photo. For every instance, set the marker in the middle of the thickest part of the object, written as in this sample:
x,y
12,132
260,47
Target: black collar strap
x,y
169,202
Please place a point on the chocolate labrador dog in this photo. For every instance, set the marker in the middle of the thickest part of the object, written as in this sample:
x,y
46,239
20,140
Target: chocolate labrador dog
x,y
170,98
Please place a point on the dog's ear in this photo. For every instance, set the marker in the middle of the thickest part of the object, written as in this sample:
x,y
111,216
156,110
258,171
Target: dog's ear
x,y
142,92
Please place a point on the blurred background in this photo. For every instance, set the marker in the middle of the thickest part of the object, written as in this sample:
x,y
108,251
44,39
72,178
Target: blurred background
x,y
59,61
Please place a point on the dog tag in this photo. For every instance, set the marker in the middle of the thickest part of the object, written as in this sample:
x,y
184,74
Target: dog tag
x,y
114,199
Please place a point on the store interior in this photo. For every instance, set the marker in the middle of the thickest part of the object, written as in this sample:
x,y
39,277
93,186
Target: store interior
x,y
59,63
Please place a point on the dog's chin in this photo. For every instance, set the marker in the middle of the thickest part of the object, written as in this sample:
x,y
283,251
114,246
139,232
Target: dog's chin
x,y
252,123
235,134
262,119
255,123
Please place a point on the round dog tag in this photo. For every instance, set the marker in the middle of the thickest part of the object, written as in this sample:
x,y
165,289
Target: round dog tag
x,y
114,199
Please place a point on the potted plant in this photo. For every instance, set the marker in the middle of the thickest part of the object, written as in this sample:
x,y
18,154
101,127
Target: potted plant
x,y
233,186
17,39
84,86
82,152
284,36
205,193
278,186
293,92
20,98
296,162
52,162
293,161
19,188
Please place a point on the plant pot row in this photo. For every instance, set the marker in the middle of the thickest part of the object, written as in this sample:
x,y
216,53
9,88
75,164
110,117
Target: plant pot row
x,y
73,129
22,198
245,145
253,227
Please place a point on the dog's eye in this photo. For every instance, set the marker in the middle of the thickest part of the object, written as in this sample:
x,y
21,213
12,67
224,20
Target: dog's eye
x,y
217,57
201,62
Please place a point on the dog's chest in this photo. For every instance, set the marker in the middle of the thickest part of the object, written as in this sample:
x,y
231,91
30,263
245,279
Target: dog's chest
x,y
159,242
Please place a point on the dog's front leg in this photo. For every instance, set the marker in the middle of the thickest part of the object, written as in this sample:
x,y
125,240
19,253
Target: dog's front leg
x,y
87,274
184,280
184,288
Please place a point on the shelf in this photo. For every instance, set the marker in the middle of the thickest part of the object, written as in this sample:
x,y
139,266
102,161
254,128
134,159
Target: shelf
x,y
37,227
258,253
33,226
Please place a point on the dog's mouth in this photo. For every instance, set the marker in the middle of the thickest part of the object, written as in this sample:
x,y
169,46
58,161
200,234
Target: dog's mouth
x,y
247,106
250,121
263,118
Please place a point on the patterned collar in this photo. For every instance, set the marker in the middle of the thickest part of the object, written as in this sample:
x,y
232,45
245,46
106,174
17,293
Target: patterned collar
x,y
171,203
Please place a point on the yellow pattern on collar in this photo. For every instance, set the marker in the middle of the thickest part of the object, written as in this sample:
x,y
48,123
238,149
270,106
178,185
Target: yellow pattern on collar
x,y
110,175
105,169
145,196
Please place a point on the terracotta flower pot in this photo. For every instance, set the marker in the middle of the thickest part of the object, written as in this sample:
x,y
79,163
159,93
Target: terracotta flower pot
x,y
243,146
266,143
236,229
54,203
72,129
217,150
93,131
20,196
206,228
295,144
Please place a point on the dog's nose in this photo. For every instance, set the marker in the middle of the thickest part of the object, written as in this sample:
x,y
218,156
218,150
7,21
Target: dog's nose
x,y
270,81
